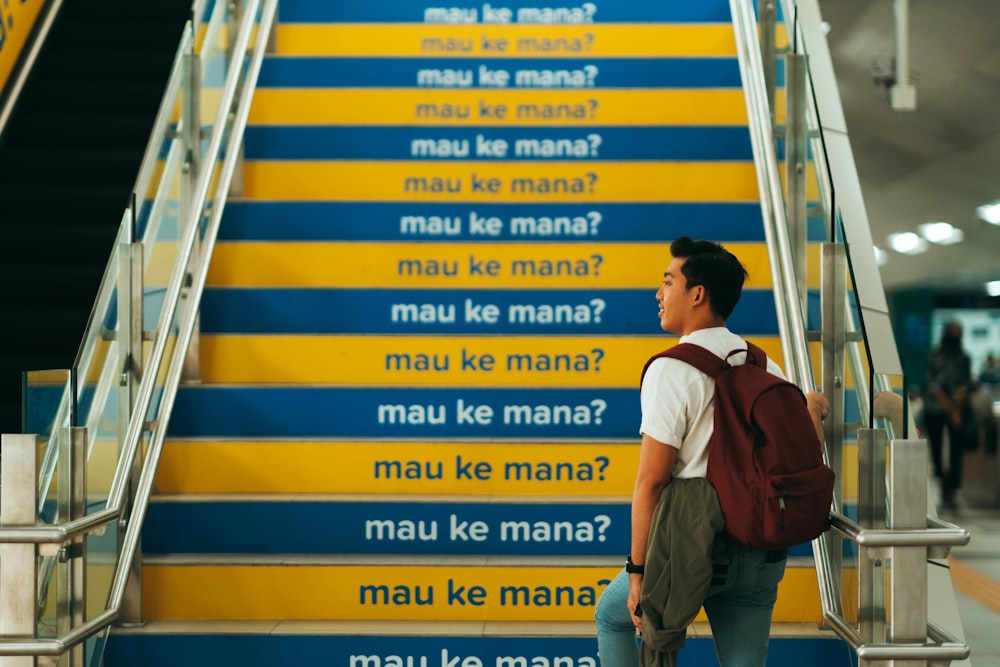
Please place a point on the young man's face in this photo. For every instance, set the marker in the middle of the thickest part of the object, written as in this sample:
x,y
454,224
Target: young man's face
x,y
673,298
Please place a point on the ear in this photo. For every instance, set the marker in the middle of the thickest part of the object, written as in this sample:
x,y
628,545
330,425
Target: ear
x,y
698,295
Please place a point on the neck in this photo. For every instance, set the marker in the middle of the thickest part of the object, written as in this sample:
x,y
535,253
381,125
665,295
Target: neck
x,y
704,323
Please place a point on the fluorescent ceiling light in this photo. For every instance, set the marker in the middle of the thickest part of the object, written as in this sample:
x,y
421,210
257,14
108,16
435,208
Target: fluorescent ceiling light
x,y
993,288
907,243
941,233
881,256
990,213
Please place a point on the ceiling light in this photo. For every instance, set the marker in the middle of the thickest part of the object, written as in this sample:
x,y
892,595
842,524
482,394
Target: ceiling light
x,y
941,233
881,256
907,243
990,213
993,288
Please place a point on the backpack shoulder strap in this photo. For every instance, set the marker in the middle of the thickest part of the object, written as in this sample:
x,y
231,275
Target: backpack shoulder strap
x,y
756,356
695,355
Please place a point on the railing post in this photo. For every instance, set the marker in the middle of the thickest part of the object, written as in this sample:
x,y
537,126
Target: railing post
x,y
796,89
908,578
834,339
766,20
130,336
18,562
234,59
191,138
871,515
72,556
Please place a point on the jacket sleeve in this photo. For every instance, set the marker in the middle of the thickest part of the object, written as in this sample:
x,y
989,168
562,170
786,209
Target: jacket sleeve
x,y
686,523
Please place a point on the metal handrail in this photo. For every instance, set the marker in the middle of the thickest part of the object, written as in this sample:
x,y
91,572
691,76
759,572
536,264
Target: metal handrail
x,y
948,647
791,323
144,487
790,315
939,533
229,121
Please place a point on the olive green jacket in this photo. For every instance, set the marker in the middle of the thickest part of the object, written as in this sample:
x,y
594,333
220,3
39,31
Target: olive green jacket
x,y
684,540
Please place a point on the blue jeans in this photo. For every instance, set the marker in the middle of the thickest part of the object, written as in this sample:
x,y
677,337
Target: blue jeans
x,y
738,610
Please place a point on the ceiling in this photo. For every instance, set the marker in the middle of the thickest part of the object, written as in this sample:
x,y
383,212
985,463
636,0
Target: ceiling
x,y
940,161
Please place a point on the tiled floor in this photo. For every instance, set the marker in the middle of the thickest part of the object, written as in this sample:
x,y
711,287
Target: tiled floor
x,y
977,585
978,599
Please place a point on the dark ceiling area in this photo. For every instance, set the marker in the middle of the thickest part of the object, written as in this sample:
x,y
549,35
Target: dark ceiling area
x,y
940,161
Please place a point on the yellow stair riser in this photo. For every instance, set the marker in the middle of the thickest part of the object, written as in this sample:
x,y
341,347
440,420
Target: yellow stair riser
x,y
534,361
383,593
513,182
420,468
522,40
497,265
391,468
581,108
329,106
550,182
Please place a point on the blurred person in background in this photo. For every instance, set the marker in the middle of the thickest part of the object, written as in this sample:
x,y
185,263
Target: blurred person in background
x,y
948,409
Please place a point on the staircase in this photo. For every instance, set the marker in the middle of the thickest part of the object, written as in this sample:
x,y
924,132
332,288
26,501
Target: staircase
x,y
68,162
416,432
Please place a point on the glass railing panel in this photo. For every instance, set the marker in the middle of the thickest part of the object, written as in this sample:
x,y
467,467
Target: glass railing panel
x,y
215,65
161,240
48,406
102,391
102,552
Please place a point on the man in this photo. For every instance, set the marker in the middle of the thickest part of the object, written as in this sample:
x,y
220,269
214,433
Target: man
x,y
701,286
947,407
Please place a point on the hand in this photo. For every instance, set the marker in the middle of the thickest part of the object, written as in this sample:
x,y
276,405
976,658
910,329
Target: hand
x,y
634,589
818,404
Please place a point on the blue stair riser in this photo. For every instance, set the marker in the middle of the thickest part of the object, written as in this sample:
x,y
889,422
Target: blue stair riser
x,y
405,11
473,73
393,651
267,142
404,413
457,311
535,223
262,527
544,223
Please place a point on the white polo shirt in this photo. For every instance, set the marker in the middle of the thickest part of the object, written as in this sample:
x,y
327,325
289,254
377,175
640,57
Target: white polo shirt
x,y
678,400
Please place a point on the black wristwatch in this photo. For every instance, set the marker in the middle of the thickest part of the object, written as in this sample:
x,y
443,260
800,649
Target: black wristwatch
x,y
632,568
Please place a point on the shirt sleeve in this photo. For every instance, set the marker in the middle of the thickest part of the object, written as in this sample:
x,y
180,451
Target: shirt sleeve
x,y
664,402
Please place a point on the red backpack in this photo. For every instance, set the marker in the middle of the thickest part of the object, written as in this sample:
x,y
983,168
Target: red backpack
x,y
764,459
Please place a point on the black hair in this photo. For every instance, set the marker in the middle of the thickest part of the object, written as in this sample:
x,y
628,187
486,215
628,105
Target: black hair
x,y
708,264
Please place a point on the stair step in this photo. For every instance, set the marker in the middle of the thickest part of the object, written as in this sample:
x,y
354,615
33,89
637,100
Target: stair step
x,y
407,587
105,64
423,644
43,203
377,525
789,630
70,165
72,242
90,96
90,129
260,524
84,32
271,465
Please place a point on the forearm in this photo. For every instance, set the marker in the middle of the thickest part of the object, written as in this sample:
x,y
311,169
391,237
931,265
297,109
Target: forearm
x,y
819,408
656,465
645,495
